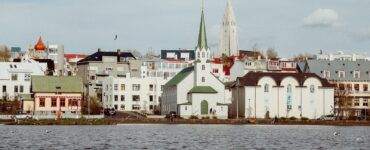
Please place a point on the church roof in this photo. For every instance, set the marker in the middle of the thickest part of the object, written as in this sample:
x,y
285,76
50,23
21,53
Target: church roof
x,y
202,89
40,46
180,76
202,38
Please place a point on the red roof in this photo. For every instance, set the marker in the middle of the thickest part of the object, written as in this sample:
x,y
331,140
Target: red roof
x,y
40,46
71,56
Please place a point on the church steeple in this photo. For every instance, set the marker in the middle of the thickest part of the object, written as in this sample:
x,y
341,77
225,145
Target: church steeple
x,y
229,39
202,38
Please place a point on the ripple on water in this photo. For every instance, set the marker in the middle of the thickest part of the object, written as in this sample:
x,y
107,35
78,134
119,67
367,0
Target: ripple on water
x,y
183,137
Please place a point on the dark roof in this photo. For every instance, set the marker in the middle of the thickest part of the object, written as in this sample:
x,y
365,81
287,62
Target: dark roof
x,y
98,56
178,54
252,78
180,76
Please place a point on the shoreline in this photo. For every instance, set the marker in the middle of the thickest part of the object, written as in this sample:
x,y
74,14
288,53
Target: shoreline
x,y
109,121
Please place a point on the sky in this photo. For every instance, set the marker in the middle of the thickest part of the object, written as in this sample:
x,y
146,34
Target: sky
x,y
288,26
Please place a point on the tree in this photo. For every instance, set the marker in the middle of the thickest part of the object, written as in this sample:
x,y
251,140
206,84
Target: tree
x,y
271,53
342,102
4,53
302,56
96,107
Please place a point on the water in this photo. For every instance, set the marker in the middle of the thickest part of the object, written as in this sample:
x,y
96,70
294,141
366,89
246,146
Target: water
x,y
183,137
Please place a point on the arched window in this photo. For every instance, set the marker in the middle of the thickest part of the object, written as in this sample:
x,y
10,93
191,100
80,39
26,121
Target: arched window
x,y
198,54
266,87
312,88
289,88
203,54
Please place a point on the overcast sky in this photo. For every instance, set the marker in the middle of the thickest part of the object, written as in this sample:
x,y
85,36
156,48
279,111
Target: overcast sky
x,y
289,26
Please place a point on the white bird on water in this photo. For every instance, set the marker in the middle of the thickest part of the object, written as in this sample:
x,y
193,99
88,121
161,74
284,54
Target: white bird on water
x,y
336,134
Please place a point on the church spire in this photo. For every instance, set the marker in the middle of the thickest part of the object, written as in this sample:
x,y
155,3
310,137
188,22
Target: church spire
x,y
229,39
202,38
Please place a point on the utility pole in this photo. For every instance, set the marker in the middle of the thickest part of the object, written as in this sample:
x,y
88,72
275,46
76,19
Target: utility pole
x,y
237,100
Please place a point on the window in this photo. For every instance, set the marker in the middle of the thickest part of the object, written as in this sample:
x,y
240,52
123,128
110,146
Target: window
x,y
53,102
116,107
122,97
162,87
357,87
198,54
16,88
135,97
341,74
215,70
14,77
136,87
151,107
115,87
203,54
365,103
266,88
115,97
151,97
151,87
289,88
62,102
74,102
41,102
122,107
203,79
356,74
326,74
123,87
21,89
135,107
365,87
349,87
203,67
4,88
356,102
312,89
92,78
27,77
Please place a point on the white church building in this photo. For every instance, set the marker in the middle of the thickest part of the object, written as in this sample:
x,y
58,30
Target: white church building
x,y
195,91
276,94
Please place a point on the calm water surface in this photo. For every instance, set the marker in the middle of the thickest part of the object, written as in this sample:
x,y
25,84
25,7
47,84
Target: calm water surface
x,y
183,137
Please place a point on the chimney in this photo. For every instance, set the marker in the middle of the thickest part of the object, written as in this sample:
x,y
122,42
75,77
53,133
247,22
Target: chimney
x,y
99,50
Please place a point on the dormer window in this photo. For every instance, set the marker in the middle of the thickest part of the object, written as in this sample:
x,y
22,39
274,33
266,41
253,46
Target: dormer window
x,y
356,74
326,74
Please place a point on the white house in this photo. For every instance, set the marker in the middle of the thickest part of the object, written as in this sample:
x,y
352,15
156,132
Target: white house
x,y
277,94
15,77
132,93
195,91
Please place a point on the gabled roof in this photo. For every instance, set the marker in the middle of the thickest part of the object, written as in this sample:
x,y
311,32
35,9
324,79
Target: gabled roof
x,y
180,76
98,56
252,78
52,84
202,89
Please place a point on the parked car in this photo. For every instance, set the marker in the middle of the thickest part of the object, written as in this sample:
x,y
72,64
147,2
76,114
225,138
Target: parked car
x,y
327,117
110,111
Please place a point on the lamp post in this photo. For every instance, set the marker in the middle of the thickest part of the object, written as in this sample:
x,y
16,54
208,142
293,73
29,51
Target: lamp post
x,y
237,100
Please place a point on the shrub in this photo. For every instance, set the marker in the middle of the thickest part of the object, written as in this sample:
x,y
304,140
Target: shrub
x,y
193,117
293,118
214,117
304,119
206,117
283,118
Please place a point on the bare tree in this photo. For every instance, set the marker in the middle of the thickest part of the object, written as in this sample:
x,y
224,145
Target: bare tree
x,y
4,53
271,53
343,102
302,56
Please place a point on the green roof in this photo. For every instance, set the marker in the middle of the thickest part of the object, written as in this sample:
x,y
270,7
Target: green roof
x,y
202,89
202,37
51,84
180,76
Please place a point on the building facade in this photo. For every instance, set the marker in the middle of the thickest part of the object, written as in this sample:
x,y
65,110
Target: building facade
x,y
133,93
352,80
55,96
195,91
269,94
15,78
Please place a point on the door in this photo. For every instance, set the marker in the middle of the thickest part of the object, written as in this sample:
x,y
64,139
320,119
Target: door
x,y
204,107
